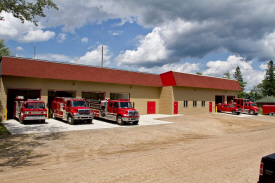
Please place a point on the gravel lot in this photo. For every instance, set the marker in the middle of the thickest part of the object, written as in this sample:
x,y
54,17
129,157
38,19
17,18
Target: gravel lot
x,y
194,148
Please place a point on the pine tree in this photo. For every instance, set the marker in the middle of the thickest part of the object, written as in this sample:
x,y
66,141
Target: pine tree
x,y
269,80
238,76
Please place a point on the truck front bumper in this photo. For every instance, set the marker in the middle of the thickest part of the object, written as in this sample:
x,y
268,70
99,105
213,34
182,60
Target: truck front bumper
x,y
83,117
130,119
35,118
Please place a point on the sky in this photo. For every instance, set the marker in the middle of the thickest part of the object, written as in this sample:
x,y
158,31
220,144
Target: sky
x,y
153,36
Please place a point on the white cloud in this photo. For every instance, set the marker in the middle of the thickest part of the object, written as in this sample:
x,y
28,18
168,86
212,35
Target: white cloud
x,y
85,40
19,48
94,57
263,66
56,57
61,37
151,51
37,36
251,76
115,33
185,68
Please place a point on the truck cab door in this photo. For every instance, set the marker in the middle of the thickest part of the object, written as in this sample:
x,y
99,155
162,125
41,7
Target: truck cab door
x,y
115,107
67,106
110,107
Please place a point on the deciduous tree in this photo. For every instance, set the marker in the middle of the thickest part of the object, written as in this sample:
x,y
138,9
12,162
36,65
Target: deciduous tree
x,y
26,11
4,50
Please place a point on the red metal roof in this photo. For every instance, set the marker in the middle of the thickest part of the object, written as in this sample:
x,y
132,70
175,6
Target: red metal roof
x,y
12,66
198,81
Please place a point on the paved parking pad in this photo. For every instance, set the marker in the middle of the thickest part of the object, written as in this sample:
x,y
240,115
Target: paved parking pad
x,y
52,125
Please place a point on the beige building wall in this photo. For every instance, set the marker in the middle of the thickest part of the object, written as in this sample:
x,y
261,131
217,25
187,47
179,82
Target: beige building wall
x,y
166,100
138,94
182,94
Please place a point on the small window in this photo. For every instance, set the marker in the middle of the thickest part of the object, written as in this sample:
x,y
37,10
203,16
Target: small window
x,y
68,103
115,104
110,104
203,103
185,103
194,103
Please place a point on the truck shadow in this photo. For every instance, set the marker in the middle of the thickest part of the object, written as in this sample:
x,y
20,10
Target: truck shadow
x,y
113,122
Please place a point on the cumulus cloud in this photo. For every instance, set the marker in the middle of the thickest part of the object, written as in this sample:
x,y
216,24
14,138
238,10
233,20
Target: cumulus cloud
x,y
37,36
151,52
94,57
250,75
85,40
185,68
61,37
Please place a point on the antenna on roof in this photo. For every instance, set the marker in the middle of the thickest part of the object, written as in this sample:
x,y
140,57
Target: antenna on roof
x,y
34,51
102,44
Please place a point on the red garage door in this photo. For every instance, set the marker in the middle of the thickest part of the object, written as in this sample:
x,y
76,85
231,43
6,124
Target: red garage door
x,y
151,107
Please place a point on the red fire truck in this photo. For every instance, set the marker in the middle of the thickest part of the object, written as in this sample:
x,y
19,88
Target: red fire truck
x,y
228,108
31,109
71,110
269,109
120,110
246,105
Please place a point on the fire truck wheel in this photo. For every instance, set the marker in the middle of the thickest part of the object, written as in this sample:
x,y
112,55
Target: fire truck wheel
x,y
70,120
234,112
251,112
42,121
89,121
53,115
119,120
135,122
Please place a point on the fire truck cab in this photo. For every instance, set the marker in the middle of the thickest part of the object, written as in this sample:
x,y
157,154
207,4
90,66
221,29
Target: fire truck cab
x,y
31,109
247,106
120,110
71,110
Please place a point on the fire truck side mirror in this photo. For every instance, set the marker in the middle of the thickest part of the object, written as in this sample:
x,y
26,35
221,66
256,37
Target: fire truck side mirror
x,y
133,104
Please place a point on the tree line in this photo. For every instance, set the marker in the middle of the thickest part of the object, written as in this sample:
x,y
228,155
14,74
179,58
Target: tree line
x,y
265,88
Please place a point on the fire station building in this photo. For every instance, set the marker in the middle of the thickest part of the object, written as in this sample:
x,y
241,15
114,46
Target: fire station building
x,y
167,93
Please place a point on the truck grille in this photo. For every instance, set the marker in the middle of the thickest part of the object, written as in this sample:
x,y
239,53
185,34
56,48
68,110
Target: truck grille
x,y
132,113
83,111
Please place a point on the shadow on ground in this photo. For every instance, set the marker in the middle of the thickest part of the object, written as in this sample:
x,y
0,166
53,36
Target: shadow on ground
x,y
18,150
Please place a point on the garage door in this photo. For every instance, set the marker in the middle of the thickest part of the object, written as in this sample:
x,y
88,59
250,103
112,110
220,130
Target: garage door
x,y
53,93
27,94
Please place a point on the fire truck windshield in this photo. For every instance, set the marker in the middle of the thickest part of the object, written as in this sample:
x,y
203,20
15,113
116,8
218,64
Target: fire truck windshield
x,y
251,104
79,104
34,105
125,105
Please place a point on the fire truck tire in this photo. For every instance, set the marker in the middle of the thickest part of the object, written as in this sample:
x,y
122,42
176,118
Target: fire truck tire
x,y
234,112
70,120
251,112
238,113
42,121
89,121
120,120
135,122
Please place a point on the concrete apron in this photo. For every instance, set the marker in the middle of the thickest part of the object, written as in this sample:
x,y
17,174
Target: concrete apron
x,y
52,125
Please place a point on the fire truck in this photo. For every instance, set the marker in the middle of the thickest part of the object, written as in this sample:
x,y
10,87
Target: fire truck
x,y
31,109
228,108
269,109
247,106
71,110
120,110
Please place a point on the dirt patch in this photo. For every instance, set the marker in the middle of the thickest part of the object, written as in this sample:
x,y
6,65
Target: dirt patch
x,y
195,148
